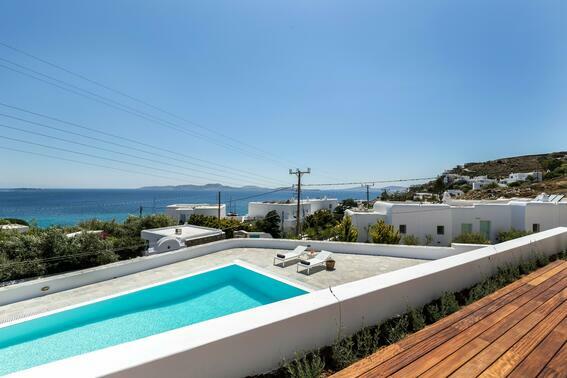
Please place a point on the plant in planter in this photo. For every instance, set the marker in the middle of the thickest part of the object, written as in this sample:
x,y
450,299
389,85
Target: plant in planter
x,y
330,264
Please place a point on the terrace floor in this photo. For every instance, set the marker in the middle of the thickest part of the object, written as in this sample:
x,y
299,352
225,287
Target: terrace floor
x,y
518,331
348,268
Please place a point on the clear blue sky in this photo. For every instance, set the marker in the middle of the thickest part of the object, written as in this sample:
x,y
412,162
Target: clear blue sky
x,y
356,90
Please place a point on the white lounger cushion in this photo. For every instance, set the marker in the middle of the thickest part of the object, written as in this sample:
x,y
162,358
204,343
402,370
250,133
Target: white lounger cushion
x,y
296,252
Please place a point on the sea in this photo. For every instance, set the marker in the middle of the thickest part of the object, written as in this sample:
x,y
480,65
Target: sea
x,y
67,207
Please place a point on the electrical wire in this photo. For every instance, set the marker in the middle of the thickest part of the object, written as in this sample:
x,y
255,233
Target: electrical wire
x,y
177,156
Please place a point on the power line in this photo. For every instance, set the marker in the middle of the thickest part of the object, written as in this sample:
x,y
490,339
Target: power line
x,y
122,107
74,142
121,93
261,194
177,156
372,182
100,157
82,162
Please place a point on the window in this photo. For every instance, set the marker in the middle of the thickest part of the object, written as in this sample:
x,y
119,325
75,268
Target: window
x,y
440,230
466,228
535,227
402,228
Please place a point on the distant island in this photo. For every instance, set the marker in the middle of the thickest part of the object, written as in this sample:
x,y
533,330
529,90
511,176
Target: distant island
x,y
206,187
225,188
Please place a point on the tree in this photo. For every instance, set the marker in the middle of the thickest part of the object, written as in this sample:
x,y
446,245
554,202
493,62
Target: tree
x,y
471,238
318,225
345,204
270,224
345,231
383,233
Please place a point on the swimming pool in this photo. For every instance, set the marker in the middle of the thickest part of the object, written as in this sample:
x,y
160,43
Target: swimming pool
x,y
138,314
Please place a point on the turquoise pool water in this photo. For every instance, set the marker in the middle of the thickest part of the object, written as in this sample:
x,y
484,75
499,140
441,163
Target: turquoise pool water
x,y
136,315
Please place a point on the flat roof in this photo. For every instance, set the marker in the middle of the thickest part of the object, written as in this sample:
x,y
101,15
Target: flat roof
x,y
349,267
187,231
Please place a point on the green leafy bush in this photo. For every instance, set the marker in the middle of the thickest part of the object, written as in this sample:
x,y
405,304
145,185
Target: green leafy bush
x,y
410,240
511,234
471,238
383,233
345,231
343,353
319,225
308,365
416,319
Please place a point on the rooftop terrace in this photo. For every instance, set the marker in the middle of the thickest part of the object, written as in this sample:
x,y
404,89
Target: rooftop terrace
x,y
349,267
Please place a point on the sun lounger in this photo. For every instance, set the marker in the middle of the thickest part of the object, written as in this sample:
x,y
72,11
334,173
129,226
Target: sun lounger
x,y
318,260
284,257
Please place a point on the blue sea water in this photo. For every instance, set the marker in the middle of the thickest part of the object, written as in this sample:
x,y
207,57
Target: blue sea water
x,y
69,206
136,315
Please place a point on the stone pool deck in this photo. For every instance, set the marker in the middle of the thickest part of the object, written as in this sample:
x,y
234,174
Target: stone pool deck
x,y
349,267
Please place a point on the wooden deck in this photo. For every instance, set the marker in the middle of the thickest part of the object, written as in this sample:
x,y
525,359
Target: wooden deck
x,y
518,331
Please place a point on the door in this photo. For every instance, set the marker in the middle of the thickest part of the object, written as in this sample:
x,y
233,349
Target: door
x,y
485,229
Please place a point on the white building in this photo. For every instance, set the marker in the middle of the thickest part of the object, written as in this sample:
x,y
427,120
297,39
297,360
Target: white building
x,y
166,239
182,212
522,176
287,210
480,181
444,222
22,229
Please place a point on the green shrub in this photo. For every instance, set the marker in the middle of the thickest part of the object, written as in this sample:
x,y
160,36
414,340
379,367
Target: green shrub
x,y
410,240
511,234
345,231
365,342
343,353
309,365
383,233
394,329
471,238
416,320
432,313
448,304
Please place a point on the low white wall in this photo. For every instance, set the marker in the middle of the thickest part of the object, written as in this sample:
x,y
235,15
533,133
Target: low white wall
x,y
61,282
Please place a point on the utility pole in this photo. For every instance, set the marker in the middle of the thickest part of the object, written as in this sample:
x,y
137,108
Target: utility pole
x,y
218,209
368,185
299,173
141,210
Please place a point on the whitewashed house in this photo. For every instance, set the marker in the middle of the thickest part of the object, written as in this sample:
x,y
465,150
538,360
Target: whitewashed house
x,y
171,238
287,210
521,177
444,222
182,212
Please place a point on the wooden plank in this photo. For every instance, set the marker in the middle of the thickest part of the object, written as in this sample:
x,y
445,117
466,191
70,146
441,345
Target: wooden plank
x,y
494,313
356,369
557,366
490,354
450,356
546,290
492,301
507,362
543,353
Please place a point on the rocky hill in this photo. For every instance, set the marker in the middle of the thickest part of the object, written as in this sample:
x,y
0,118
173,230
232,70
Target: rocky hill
x,y
503,167
552,165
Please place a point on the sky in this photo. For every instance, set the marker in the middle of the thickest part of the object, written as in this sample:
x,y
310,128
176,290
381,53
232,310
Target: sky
x,y
238,92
